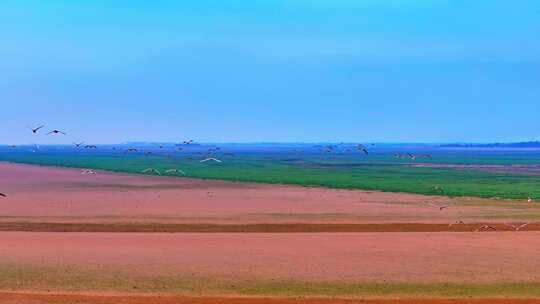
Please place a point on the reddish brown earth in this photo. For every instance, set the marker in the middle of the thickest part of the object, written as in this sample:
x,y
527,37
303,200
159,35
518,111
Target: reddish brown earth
x,y
20,298
59,195
261,228
343,257
198,233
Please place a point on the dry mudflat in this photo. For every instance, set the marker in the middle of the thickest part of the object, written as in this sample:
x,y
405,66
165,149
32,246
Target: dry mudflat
x,y
67,237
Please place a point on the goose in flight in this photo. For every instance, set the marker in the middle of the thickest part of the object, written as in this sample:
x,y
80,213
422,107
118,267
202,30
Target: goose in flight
x,y
55,131
363,149
3,195
151,170
78,145
175,171
441,207
437,189
517,228
211,159
35,130
188,142
456,223
90,147
486,228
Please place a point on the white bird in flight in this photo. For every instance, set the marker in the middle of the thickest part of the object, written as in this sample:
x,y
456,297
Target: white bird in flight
x,y
175,171
211,159
517,228
151,170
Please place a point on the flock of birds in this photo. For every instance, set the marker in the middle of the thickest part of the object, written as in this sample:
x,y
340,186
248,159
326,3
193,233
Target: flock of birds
x,y
210,151
328,149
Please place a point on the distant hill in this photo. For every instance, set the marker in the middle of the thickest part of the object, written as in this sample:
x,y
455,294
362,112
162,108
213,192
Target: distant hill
x,y
528,144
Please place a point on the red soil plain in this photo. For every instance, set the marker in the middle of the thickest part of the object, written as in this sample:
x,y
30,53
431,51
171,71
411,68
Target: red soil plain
x,y
119,238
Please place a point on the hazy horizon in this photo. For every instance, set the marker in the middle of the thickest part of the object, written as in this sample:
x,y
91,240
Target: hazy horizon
x,y
138,142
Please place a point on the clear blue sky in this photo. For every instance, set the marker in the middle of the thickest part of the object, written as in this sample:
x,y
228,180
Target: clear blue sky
x,y
276,70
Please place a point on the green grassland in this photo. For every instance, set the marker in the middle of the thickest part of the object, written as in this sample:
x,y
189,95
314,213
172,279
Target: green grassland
x,y
379,171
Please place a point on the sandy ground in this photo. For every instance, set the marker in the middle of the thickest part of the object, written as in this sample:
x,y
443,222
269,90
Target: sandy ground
x,y
25,298
14,298
42,199
44,194
350,257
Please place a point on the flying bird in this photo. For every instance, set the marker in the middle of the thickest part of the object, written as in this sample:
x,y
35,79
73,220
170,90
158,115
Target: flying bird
x,y
90,147
3,195
87,171
437,189
211,159
151,170
78,145
363,149
486,228
175,171
517,228
441,207
131,150
188,142
55,131
456,223
35,130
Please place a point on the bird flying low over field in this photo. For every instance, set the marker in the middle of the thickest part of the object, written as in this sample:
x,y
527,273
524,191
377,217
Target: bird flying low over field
x,y
55,131
151,170
35,130
516,227
456,223
90,147
78,145
486,228
441,207
211,159
88,171
175,171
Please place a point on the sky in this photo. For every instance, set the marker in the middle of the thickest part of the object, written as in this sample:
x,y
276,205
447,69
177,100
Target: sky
x,y
270,71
